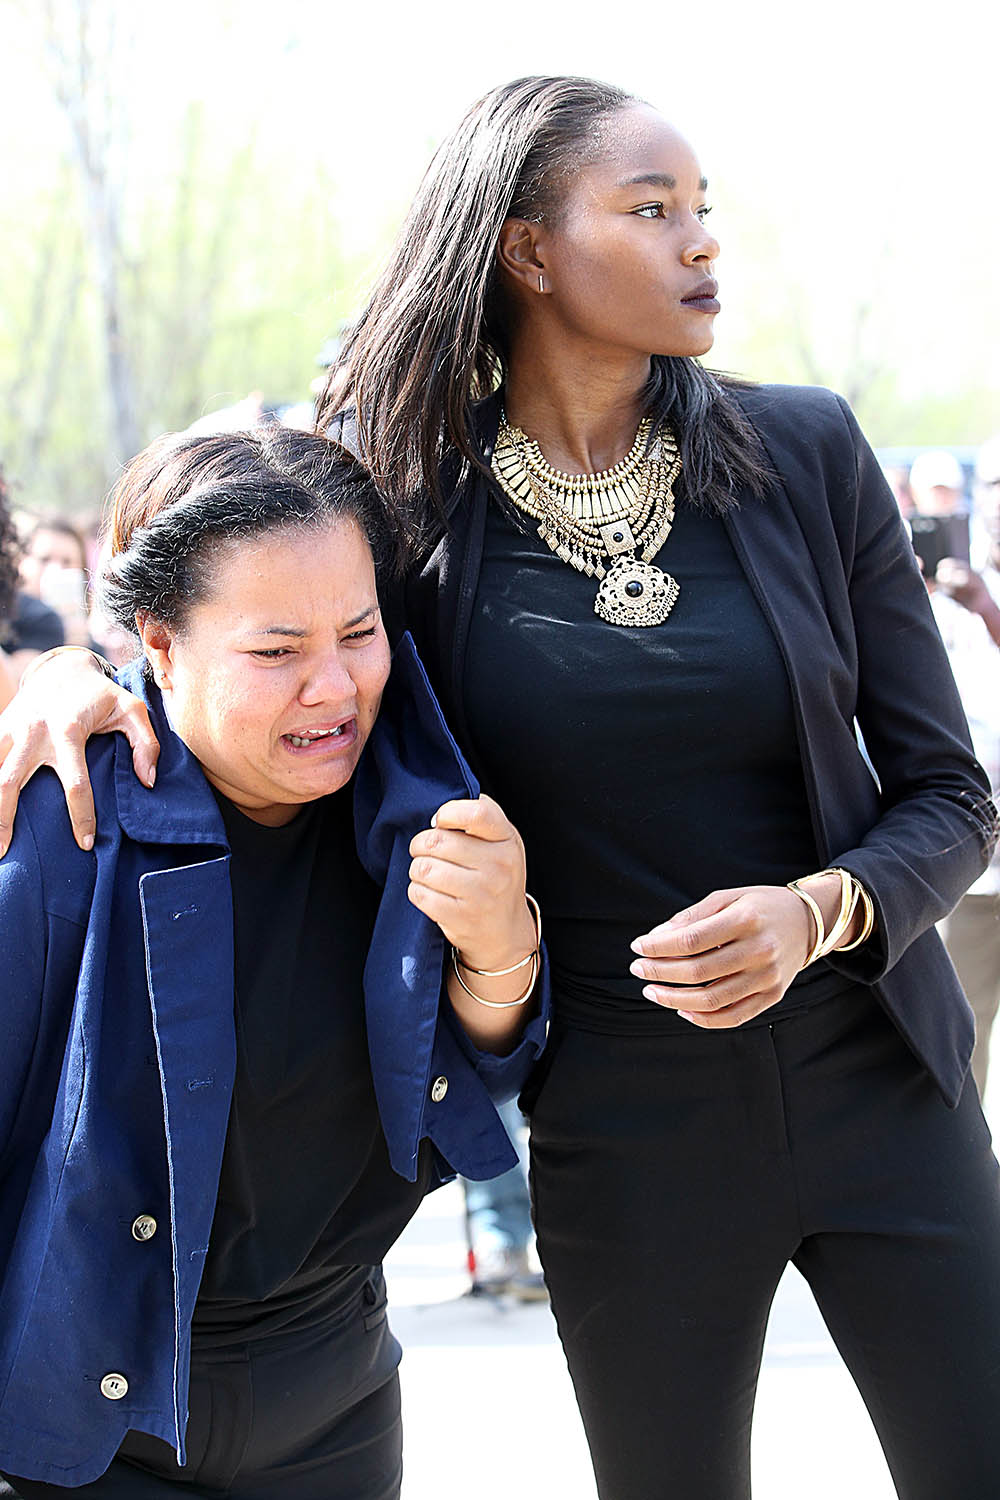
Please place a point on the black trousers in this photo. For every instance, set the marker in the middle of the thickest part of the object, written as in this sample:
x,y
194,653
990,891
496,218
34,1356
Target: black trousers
x,y
675,1177
313,1415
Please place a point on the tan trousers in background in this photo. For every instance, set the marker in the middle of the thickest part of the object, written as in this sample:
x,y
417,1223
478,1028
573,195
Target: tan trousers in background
x,y
972,936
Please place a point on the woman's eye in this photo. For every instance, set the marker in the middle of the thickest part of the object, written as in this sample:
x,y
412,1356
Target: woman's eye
x,y
703,212
650,210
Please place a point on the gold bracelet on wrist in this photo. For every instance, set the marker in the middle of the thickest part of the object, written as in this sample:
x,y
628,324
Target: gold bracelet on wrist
x,y
813,907
868,926
498,1004
522,963
852,893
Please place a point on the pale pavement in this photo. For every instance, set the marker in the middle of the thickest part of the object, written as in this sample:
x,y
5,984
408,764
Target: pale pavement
x,y
489,1411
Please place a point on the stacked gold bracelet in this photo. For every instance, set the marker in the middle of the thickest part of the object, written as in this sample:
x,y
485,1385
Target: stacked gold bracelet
x,y
852,892
533,958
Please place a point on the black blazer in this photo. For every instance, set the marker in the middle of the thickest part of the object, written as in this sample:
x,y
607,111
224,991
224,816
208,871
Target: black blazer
x,y
830,563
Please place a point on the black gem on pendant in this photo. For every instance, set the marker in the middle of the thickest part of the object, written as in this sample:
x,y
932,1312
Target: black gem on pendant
x,y
616,536
633,588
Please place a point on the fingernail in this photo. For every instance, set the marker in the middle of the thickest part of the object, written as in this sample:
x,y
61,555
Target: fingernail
x,y
151,777
685,1015
638,946
434,820
637,970
87,842
651,994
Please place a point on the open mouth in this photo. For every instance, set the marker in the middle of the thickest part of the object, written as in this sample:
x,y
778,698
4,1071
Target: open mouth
x,y
311,739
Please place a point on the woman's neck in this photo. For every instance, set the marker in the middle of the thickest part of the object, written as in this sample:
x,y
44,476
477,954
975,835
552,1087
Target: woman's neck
x,y
581,409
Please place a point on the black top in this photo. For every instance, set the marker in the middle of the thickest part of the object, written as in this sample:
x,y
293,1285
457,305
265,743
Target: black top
x,y
306,1191
650,765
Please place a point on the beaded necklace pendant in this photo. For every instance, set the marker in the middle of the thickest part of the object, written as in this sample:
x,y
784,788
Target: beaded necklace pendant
x,y
598,522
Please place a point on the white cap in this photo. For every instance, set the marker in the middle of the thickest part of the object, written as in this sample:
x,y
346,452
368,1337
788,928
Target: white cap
x,y
934,469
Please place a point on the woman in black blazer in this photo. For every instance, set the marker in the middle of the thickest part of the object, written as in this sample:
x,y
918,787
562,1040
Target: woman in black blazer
x,y
654,603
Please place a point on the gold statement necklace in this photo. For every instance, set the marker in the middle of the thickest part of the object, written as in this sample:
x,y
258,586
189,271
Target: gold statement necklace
x,y
598,522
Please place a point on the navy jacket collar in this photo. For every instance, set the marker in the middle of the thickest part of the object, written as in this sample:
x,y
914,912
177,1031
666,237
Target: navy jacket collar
x,y
180,808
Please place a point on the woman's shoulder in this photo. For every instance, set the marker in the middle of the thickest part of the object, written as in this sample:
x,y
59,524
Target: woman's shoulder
x,y
43,854
813,441
795,412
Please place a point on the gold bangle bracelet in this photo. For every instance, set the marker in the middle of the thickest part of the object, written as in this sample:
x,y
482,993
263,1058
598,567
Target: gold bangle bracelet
x,y
817,916
498,1004
851,893
522,963
868,926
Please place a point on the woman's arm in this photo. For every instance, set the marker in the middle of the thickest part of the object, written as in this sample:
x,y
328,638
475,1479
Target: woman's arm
x,y
63,700
938,823
741,949
468,875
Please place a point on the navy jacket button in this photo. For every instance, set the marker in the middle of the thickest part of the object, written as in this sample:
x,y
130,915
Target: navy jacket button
x,y
144,1227
114,1387
438,1089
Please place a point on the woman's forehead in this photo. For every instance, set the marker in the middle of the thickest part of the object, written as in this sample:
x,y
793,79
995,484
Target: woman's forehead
x,y
329,561
638,145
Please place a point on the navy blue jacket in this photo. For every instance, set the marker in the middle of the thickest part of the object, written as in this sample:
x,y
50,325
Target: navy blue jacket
x,y
831,566
116,977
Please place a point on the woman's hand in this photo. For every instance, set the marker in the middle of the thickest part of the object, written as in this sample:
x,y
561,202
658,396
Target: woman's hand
x,y
467,874
733,955
65,699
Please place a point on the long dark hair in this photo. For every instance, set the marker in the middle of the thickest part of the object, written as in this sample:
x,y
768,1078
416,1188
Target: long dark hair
x,y
184,497
432,339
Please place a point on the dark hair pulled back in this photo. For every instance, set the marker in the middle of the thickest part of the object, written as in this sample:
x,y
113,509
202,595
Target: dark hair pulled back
x,y
433,338
180,501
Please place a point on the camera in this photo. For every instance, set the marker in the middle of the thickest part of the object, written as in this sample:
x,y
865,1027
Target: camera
x,y
935,537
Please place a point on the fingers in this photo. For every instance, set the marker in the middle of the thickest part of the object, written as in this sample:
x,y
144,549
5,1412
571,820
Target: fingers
x,y
708,1002
461,883
133,721
722,917
70,765
481,817
467,875
439,843
16,769
701,969
442,908
726,958
731,1016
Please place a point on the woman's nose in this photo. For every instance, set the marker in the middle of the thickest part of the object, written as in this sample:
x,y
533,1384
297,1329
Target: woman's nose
x,y
328,682
702,246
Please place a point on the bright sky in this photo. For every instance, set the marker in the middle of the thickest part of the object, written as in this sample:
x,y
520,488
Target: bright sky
x,y
852,149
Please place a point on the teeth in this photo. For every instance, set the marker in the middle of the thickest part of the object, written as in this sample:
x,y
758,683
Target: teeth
x,y
300,741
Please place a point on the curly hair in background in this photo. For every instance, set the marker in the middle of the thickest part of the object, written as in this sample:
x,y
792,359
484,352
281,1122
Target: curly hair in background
x,y
9,548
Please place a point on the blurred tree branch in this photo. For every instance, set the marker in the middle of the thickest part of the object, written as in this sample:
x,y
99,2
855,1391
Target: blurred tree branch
x,y
84,50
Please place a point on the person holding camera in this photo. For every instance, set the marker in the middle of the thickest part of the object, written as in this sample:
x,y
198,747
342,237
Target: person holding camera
x,y
966,605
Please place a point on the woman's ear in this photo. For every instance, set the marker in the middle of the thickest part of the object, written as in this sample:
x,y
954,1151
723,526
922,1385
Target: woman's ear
x,y
157,645
521,253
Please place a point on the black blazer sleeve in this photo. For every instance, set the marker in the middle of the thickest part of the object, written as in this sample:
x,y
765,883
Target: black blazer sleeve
x,y
937,825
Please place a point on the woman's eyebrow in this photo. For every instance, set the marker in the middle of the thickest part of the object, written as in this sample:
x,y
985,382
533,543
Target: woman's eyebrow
x,y
299,633
658,179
